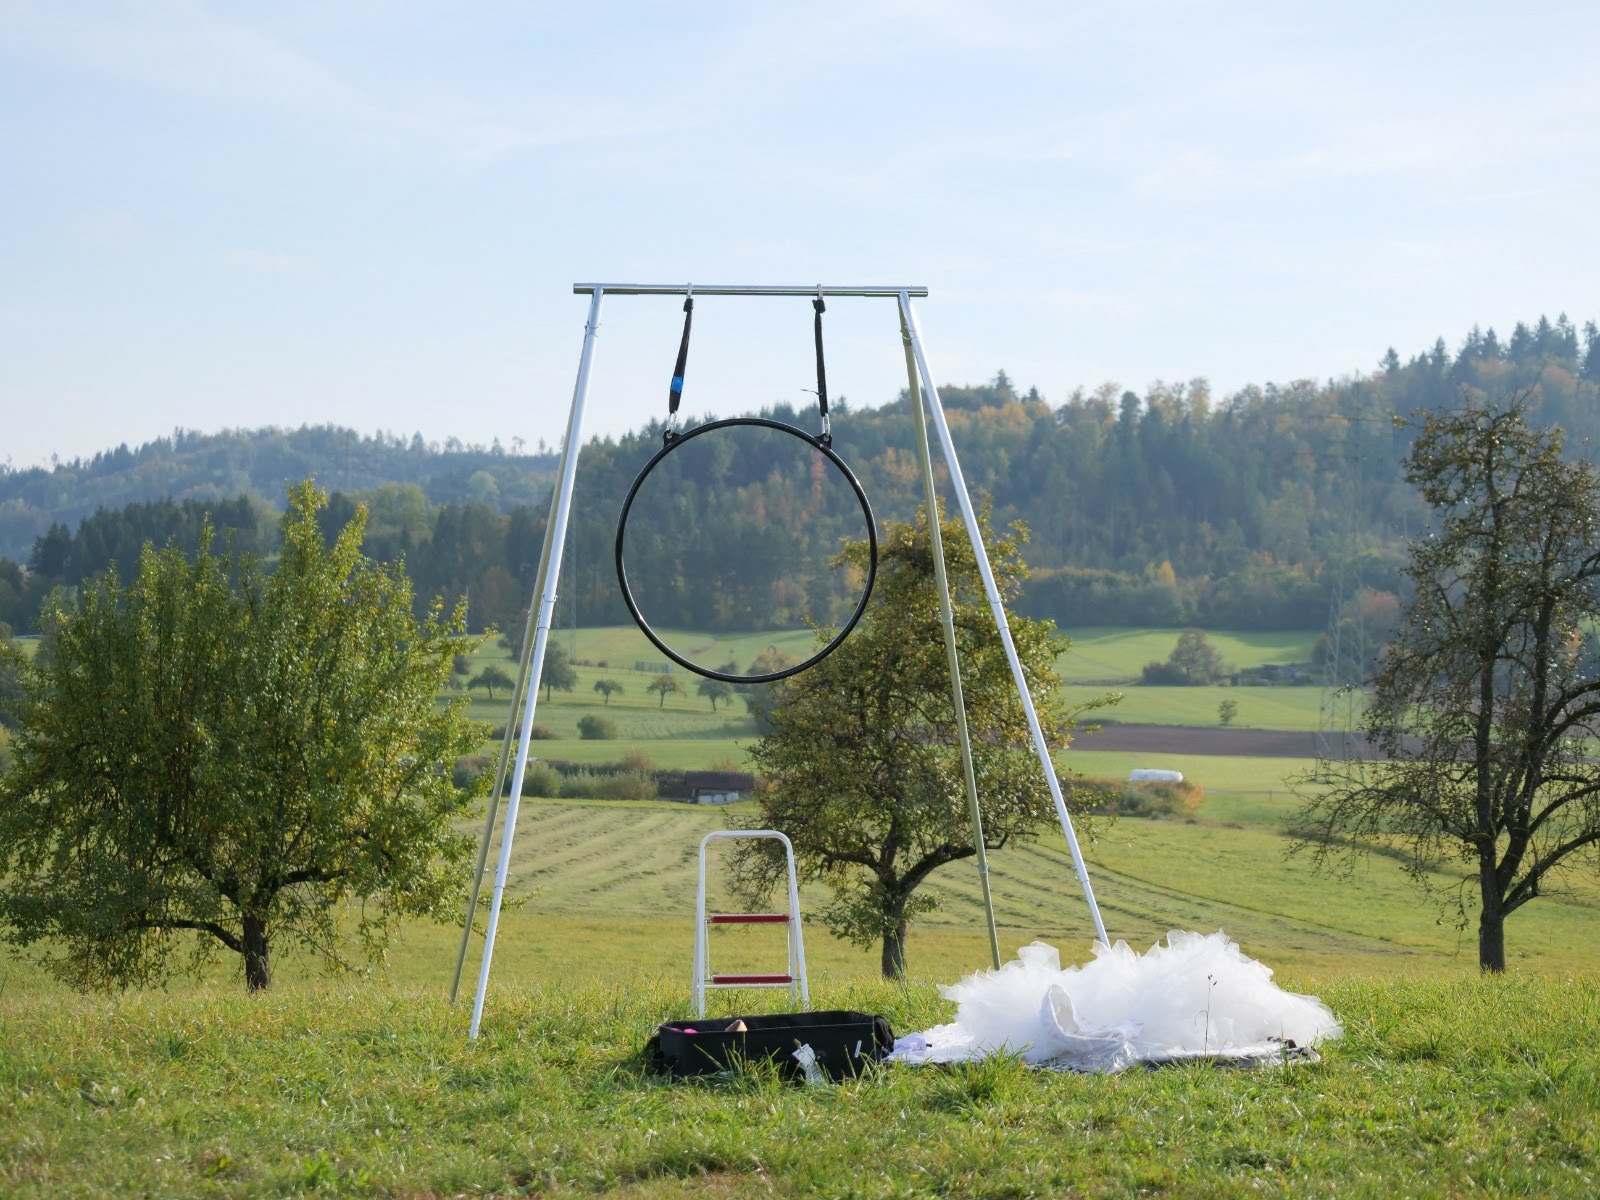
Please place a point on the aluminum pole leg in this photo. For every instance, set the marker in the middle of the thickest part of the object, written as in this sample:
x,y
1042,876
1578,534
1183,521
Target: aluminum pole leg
x,y
547,604
947,619
523,668
997,607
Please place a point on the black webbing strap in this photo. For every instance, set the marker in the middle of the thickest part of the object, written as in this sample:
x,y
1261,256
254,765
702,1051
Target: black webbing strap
x,y
675,392
822,373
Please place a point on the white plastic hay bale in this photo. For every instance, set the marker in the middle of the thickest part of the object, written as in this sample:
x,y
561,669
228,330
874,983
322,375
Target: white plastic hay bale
x,y
1154,775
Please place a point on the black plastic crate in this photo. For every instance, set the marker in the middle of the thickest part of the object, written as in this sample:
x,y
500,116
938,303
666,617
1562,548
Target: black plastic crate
x,y
843,1041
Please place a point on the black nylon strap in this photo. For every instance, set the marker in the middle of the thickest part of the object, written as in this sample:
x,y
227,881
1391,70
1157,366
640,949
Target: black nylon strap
x,y
822,371
675,393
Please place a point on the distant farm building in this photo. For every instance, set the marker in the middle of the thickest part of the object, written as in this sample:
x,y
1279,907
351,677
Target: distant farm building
x,y
718,787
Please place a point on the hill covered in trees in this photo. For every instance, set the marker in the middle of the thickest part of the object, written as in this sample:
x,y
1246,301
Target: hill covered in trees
x,y
1258,510
259,464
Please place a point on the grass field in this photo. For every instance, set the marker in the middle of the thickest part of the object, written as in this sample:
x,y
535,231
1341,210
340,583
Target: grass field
x,y
1109,654
1259,707
1446,1084
683,731
623,646
1227,868
367,1089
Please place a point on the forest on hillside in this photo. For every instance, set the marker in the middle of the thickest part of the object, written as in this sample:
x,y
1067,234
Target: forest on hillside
x,y
259,464
1265,509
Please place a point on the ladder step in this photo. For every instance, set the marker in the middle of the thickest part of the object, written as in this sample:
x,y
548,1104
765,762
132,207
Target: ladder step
x,y
751,979
747,919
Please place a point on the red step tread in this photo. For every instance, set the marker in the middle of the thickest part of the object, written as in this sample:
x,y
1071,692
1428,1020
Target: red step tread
x,y
752,979
747,919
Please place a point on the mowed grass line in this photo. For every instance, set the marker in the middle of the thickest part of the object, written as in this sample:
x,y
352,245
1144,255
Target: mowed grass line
x,y
600,859
369,1089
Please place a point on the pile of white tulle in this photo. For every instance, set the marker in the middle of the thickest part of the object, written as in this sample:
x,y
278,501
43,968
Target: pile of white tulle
x,y
1197,996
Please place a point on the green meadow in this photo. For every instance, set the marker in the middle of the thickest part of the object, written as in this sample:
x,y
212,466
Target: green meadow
x,y
683,730
1445,1083
368,1088
1258,707
1106,654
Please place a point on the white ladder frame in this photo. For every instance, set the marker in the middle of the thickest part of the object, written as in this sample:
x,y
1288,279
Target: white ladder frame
x,y
795,978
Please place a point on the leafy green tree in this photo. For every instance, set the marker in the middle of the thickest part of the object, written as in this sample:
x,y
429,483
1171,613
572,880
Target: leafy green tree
x,y
760,697
664,686
1227,711
558,671
489,678
595,728
218,751
1486,705
1192,663
11,667
606,686
715,690
863,766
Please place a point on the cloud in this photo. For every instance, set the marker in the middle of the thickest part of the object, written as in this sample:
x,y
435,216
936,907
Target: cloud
x,y
173,45
1097,302
182,47
111,229
268,262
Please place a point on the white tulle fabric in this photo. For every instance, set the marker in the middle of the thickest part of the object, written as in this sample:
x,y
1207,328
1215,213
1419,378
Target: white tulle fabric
x,y
1197,996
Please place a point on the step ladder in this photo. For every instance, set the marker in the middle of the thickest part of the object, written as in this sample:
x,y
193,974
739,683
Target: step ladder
x,y
794,978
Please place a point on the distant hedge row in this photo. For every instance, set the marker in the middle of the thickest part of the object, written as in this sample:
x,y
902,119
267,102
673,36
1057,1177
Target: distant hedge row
x,y
634,778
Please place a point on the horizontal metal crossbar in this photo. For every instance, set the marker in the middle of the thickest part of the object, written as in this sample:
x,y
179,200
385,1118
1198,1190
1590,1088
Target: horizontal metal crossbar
x,y
744,289
751,980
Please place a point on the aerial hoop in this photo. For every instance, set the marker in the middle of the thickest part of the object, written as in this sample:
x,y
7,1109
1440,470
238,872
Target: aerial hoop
x,y
676,440
673,440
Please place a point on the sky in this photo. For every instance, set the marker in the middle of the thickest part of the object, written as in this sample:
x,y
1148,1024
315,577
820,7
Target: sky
x,y
371,213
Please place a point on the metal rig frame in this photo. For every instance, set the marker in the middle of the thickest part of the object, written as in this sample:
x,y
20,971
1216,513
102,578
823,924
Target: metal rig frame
x,y
925,402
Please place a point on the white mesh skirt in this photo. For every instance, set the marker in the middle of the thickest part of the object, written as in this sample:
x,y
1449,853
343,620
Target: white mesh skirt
x,y
1196,996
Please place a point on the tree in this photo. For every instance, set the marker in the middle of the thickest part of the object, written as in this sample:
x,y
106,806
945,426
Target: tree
x,y
1227,711
1192,663
12,664
595,728
663,685
863,768
606,686
714,690
489,678
1487,701
558,671
760,697
216,750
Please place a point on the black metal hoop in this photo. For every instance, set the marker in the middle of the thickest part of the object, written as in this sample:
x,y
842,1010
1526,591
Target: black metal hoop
x,y
673,441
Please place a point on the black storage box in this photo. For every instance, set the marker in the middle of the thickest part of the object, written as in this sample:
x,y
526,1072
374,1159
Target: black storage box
x,y
842,1040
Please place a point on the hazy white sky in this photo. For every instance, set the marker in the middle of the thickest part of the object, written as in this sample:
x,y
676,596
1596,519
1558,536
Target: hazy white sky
x,y
371,213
